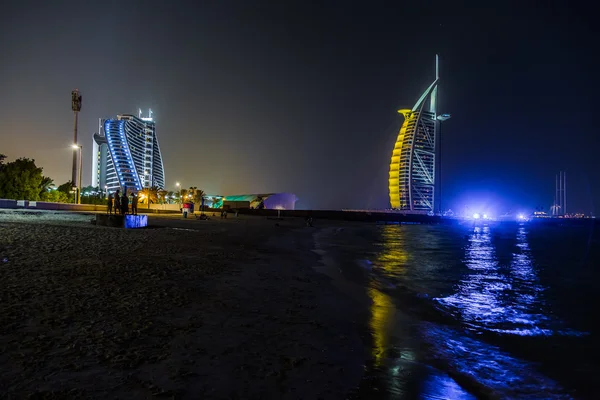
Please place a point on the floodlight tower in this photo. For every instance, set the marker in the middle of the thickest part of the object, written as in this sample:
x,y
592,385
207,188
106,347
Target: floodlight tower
x,y
78,185
76,107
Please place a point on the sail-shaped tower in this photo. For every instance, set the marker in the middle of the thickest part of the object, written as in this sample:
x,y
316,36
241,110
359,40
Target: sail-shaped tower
x,y
412,178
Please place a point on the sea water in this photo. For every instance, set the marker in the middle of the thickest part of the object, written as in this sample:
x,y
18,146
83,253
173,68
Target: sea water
x,y
475,310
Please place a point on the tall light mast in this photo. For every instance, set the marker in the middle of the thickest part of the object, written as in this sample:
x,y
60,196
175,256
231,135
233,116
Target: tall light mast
x,y
76,107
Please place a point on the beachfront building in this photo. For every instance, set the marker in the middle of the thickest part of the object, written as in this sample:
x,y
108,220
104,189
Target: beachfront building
x,y
412,177
267,201
127,154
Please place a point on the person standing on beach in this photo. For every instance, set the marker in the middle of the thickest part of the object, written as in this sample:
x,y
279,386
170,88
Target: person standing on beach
x,y
109,204
124,204
134,201
309,219
117,204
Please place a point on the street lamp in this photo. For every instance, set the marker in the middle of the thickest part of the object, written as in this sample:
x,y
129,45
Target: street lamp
x,y
78,183
178,192
76,107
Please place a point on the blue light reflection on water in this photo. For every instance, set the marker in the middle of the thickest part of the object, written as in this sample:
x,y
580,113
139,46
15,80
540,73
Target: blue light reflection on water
x,y
498,294
450,307
485,368
500,298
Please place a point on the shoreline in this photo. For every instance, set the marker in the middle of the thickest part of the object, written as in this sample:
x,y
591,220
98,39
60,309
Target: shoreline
x,y
219,309
412,343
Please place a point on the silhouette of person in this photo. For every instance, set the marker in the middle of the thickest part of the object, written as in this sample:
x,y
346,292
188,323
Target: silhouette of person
x,y
134,202
124,204
109,204
117,203
309,219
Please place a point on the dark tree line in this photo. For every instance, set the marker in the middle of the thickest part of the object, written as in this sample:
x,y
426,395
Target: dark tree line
x,y
23,180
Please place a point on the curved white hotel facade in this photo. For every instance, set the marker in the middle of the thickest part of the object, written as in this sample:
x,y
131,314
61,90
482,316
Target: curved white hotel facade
x,y
127,154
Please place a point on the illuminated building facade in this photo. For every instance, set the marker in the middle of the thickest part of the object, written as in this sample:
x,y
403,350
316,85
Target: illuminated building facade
x,y
412,178
267,201
127,154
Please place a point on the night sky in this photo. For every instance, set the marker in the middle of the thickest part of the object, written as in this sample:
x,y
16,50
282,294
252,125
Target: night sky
x,y
255,96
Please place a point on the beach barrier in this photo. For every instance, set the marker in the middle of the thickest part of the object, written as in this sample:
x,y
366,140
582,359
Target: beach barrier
x,y
122,221
48,206
7,203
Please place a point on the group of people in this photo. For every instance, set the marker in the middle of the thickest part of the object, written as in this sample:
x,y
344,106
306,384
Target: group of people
x,y
120,203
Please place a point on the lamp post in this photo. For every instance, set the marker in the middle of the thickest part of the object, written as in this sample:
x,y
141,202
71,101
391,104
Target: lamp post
x,y
76,107
78,183
179,192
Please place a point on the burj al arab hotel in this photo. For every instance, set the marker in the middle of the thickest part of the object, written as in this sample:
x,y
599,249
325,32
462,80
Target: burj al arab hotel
x,y
413,167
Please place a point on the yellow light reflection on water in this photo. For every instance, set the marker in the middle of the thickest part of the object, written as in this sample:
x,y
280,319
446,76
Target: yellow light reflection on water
x,y
381,323
393,256
390,261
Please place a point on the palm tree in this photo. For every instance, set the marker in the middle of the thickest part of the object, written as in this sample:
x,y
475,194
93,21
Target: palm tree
x,y
198,195
150,194
183,195
162,196
153,194
143,195
192,193
46,184
170,196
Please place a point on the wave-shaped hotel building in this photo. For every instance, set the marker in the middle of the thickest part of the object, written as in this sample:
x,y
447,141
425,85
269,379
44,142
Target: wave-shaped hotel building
x,y
412,179
126,154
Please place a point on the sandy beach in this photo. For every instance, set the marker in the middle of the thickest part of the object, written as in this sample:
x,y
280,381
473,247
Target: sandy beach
x,y
183,309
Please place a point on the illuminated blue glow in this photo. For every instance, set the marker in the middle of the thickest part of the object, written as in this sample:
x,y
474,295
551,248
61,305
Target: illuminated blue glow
x,y
495,298
502,375
500,292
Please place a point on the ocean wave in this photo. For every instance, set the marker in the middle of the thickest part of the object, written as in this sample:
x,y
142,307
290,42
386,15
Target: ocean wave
x,y
485,369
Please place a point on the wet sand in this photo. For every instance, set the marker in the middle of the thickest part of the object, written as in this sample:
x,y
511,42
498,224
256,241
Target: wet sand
x,y
185,309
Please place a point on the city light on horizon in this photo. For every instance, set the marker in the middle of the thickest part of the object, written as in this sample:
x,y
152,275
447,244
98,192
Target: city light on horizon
x,y
471,159
299,200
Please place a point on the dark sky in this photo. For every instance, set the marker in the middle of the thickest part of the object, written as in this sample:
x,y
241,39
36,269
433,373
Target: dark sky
x,y
302,97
